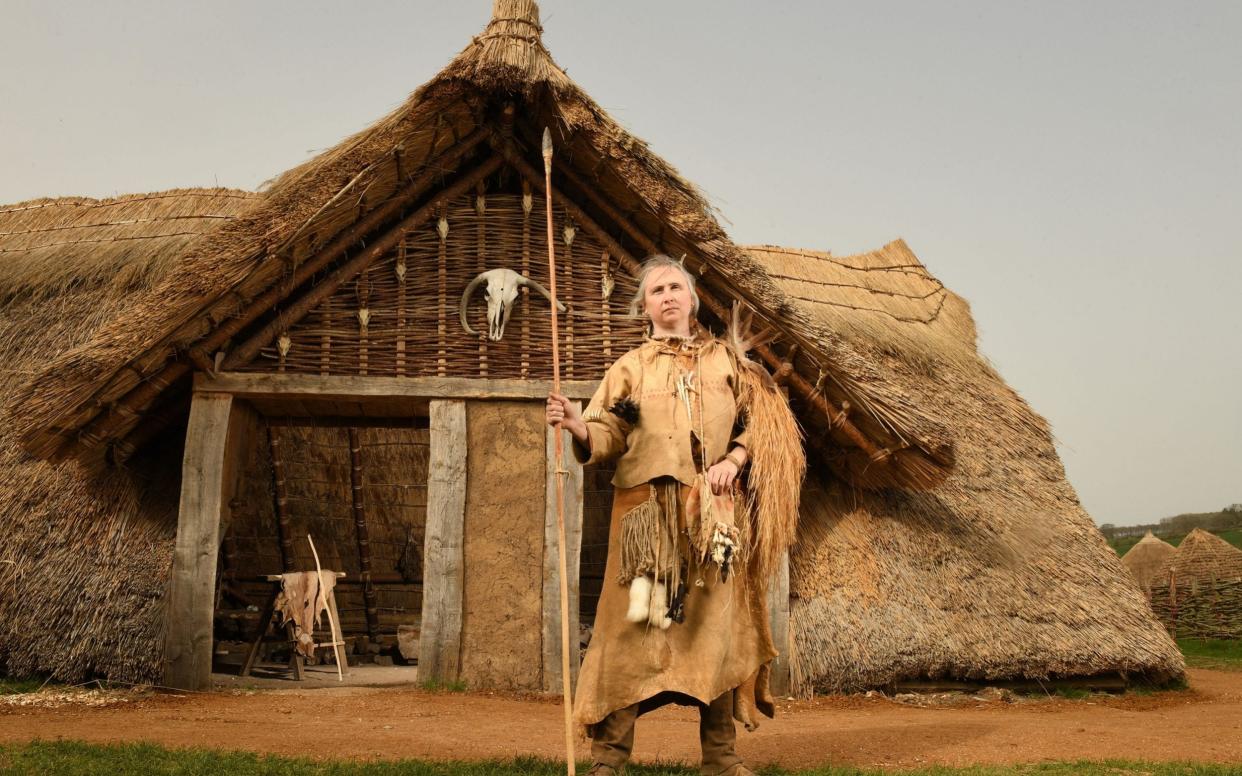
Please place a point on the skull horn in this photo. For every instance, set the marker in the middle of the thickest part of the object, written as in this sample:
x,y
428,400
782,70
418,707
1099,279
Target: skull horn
x,y
465,300
538,287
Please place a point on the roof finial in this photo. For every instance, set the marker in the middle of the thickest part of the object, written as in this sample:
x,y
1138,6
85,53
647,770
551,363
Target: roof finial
x,y
519,18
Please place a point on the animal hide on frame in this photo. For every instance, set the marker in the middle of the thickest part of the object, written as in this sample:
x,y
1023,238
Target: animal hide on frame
x,y
303,596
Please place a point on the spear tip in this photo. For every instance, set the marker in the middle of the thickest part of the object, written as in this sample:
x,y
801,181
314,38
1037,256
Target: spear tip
x,y
547,143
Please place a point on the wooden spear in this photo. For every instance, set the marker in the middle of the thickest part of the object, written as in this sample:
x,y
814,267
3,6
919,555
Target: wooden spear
x,y
561,471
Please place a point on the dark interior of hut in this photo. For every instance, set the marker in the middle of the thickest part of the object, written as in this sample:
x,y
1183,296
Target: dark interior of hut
x,y
356,485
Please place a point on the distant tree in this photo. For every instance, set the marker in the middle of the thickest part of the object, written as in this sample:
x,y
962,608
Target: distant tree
x,y
1234,508
1109,530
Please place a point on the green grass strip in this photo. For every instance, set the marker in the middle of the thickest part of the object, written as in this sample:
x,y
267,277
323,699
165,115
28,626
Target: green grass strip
x,y
71,758
1220,654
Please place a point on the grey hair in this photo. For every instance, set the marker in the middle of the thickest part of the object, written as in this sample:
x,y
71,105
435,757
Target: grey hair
x,y
651,264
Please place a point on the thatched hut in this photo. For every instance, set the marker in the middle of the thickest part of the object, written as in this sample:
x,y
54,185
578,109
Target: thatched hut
x,y
1146,559
314,342
1201,558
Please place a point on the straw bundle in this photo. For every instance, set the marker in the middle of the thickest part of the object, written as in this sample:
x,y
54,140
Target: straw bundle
x,y
84,557
1145,559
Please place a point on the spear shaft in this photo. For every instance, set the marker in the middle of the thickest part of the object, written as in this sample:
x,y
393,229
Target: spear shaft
x,y
560,466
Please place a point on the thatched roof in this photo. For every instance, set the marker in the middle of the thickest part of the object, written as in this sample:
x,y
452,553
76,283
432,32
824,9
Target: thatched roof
x,y
998,572
1202,558
1146,558
83,558
308,204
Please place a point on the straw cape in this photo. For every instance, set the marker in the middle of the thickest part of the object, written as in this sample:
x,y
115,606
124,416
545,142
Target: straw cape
x,y
939,536
1146,559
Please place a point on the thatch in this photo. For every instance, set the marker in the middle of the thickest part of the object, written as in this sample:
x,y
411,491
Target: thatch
x,y
1202,558
1145,559
307,205
83,558
998,573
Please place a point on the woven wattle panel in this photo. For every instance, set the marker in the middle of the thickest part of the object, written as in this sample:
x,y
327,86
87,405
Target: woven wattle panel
x,y
400,317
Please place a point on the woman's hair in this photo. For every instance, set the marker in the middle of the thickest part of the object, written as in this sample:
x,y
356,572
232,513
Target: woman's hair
x,y
651,264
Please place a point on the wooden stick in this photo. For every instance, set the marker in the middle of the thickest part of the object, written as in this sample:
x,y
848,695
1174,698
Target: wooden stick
x,y
336,642
560,467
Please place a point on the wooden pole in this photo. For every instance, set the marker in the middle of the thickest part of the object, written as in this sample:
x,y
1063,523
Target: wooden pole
x,y
560,468
363,535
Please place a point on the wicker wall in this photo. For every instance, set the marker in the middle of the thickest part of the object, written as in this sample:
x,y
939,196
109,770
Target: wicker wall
x,y
1205,610
400,317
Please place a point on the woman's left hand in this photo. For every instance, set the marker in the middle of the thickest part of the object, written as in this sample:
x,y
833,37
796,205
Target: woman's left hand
x,y
721,476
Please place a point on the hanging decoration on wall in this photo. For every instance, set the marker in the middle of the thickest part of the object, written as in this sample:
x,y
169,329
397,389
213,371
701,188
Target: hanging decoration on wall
x,y
501,289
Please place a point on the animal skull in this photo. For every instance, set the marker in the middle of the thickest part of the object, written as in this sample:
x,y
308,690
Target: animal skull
x,y
501,289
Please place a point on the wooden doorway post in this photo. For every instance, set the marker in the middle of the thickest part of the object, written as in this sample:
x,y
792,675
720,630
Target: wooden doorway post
x,y
210,460
439,641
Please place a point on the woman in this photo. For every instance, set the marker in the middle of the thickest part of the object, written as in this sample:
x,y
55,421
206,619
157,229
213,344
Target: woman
x,y
682,617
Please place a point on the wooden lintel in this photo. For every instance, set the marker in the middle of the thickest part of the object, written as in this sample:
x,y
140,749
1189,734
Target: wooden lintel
x,y
358,388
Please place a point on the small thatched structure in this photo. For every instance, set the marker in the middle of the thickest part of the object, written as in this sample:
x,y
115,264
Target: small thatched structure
x,y
1201,558
1146,558
939,536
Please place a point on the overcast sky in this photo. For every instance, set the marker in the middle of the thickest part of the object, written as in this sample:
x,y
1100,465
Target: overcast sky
x,y
1073,169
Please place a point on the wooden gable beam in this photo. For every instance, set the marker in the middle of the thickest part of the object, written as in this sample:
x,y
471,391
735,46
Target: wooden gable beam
x,y
109,421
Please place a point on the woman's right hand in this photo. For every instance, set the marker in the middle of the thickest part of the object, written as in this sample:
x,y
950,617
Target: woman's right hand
x,y
563,412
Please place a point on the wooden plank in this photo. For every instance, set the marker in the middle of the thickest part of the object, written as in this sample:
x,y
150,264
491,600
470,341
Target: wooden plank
x,y
358,388
205,476
551,565
778,613
439,645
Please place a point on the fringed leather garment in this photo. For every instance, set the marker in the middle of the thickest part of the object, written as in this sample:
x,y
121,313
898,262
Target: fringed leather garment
x,y
666,411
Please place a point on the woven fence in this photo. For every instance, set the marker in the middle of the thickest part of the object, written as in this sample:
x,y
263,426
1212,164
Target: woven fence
x,y
1205,610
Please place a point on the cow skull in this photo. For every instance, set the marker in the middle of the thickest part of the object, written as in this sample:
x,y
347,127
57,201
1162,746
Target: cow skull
x,y
502,290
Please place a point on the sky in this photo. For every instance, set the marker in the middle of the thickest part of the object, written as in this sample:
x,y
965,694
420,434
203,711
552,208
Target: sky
x,y
1074,170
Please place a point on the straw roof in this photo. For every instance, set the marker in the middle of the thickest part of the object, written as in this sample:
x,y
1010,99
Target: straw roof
x,y
83,558
1146,558
1202,558
318,199
998,572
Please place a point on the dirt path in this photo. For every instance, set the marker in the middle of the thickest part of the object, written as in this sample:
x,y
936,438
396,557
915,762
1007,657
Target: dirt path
x,y
1204,723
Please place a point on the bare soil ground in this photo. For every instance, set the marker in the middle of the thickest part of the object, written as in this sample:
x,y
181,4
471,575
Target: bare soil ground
x,y
1203,724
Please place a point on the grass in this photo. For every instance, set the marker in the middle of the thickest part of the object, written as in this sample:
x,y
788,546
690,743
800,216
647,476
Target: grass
x,y
73,758
436,685
13,686
1220,654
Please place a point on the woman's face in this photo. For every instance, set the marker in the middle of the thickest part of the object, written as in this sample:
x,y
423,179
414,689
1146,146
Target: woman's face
x,y
667,301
